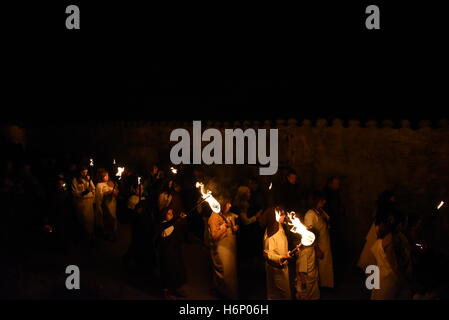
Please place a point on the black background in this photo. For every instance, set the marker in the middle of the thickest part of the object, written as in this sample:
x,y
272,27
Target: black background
x,y
224,60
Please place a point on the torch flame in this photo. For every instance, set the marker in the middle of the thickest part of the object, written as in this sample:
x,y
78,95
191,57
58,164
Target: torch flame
x,y
440,205
91,162
307,237
174,170
278,215
113,161
120,172
139,180
271,186
207,196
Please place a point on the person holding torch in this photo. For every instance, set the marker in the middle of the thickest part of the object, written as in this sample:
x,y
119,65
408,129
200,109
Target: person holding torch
x,y
106,204
83,191
317,219
276,256
222,230
307,273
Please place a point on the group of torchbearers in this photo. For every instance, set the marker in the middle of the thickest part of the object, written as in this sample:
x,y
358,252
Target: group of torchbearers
x,y
294,269
275,224
313,260
161,223
95,205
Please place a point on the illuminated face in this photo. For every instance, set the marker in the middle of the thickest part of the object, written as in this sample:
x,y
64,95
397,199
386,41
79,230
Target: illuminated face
x,y
282,218
227,207
292,178
106,177
84,173
169,215
61,184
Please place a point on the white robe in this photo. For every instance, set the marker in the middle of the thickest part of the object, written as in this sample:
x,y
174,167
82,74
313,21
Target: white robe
x,y
278,284
84,204
307,275
224,261
388,280
106,207
366,257
318,222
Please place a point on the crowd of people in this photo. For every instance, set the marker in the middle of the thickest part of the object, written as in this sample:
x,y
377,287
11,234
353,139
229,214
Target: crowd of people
x,y
82,205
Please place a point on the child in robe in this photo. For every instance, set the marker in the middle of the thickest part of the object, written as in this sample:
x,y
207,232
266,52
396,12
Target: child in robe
x,y
276,257
307,287
223,249
106,205
318,220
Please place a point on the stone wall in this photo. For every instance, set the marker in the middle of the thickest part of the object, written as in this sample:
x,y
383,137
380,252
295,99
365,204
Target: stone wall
x,y
370,157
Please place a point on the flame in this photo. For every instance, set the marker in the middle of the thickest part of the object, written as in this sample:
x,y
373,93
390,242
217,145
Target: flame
x,y
278,215
113,161
91,162
271,186
440,205
207,196
139,180
307,237
120,172
174,170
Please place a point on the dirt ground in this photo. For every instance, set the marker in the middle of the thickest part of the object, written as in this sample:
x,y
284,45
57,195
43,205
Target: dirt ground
x,y
40,274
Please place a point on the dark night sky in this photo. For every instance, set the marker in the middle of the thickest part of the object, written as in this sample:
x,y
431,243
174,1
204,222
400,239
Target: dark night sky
x,y
265,62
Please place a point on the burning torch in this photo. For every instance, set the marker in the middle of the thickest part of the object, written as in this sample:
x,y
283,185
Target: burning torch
x,y
91,166
207,197
440,205
139,182
307,237
119,173
213,203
